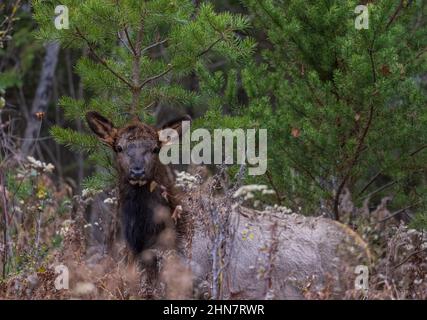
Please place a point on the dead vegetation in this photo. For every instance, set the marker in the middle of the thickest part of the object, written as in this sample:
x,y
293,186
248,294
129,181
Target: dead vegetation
x,y
58,233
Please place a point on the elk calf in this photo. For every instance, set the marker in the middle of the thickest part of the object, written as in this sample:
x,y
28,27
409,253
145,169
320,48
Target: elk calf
x,y
148,201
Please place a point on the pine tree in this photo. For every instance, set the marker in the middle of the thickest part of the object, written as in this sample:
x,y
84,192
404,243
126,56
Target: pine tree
x,y
138,51
344,108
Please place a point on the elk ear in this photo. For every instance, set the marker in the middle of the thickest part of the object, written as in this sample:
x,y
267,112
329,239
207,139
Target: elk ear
x,y
173,130
102,127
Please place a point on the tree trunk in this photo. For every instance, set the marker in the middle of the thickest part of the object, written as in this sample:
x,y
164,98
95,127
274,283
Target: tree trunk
x,y
41,98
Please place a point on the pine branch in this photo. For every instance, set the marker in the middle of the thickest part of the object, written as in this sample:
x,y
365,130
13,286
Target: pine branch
x,y
126,44
371,58
170,67
154,45
413,153
353,162
155,77
369,183
395,14
210,47
136,76
129,41
102,61
399,211
273,185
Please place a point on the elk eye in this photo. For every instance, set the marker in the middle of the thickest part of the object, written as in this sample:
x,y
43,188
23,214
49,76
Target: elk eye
x,y
119,149
156,149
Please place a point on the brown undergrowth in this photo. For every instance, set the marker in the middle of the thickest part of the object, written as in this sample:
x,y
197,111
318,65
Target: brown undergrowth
x,y
49,229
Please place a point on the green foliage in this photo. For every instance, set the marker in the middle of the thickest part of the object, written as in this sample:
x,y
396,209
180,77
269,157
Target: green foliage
x,y
420,221
79,142
138,51
344,108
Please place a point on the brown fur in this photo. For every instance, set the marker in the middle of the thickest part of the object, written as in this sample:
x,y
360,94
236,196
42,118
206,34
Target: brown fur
x,y
146,210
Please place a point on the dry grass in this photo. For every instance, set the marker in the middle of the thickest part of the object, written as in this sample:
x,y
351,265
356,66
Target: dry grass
x,y
398,272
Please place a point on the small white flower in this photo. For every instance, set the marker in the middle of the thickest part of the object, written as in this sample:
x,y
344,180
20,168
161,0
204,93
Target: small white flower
x,y
110,200
37,164
87,193
267,191
65,227
49,168
186,180
250,188
31,159
248,196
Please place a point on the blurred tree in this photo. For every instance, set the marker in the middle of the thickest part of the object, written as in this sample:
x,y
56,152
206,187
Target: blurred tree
x,y
41,98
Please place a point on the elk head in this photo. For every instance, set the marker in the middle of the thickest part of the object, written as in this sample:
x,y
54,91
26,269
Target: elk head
x,y
136,146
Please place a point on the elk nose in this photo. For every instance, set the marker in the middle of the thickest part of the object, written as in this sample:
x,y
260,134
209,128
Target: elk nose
x,y
137,172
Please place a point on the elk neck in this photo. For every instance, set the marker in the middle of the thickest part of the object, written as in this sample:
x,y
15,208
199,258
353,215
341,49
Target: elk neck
x,y
140,208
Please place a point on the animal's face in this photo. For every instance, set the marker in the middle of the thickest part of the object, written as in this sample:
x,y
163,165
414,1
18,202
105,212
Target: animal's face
x,y
137,149
136,146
